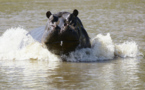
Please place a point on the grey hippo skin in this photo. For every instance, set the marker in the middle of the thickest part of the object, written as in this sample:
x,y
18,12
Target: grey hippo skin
x,y
64,32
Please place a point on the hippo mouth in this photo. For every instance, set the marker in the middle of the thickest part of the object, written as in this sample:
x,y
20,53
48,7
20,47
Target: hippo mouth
x,y
63,42
62,47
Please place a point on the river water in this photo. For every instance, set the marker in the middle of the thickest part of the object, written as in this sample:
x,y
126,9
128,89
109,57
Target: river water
x,y
115,61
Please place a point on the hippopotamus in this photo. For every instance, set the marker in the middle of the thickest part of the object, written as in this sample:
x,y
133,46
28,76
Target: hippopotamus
x,y
64,32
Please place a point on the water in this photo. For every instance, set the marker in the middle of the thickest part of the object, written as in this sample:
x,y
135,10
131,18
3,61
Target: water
x,y
115,61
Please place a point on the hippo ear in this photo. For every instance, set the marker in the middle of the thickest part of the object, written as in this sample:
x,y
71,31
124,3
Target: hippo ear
x,y
75,12
48,14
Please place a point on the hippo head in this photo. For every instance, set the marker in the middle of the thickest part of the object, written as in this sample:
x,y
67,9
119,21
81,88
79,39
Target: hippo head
x,y
62,32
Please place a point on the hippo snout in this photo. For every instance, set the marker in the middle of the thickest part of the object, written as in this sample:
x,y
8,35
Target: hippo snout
x,y
61,41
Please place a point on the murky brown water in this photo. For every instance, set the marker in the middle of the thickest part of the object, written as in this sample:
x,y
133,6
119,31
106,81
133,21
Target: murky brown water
x,y
123,19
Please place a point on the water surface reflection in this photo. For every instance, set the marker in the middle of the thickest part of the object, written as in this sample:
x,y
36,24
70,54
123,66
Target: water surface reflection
x,y
115,74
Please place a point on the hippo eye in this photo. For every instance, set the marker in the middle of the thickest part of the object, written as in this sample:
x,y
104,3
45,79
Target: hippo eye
x,y
53,18
65,22
73,23
57,23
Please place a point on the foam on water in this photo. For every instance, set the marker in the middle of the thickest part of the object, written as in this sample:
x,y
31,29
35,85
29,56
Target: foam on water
x,y
19,44
103,48
126,49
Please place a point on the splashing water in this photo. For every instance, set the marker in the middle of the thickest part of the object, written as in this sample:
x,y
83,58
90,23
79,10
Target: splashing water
x,y
103,48
126,49
19,44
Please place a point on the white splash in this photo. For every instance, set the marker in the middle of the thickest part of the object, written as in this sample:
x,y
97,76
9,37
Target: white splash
x,y
103,48
19,44
126,49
